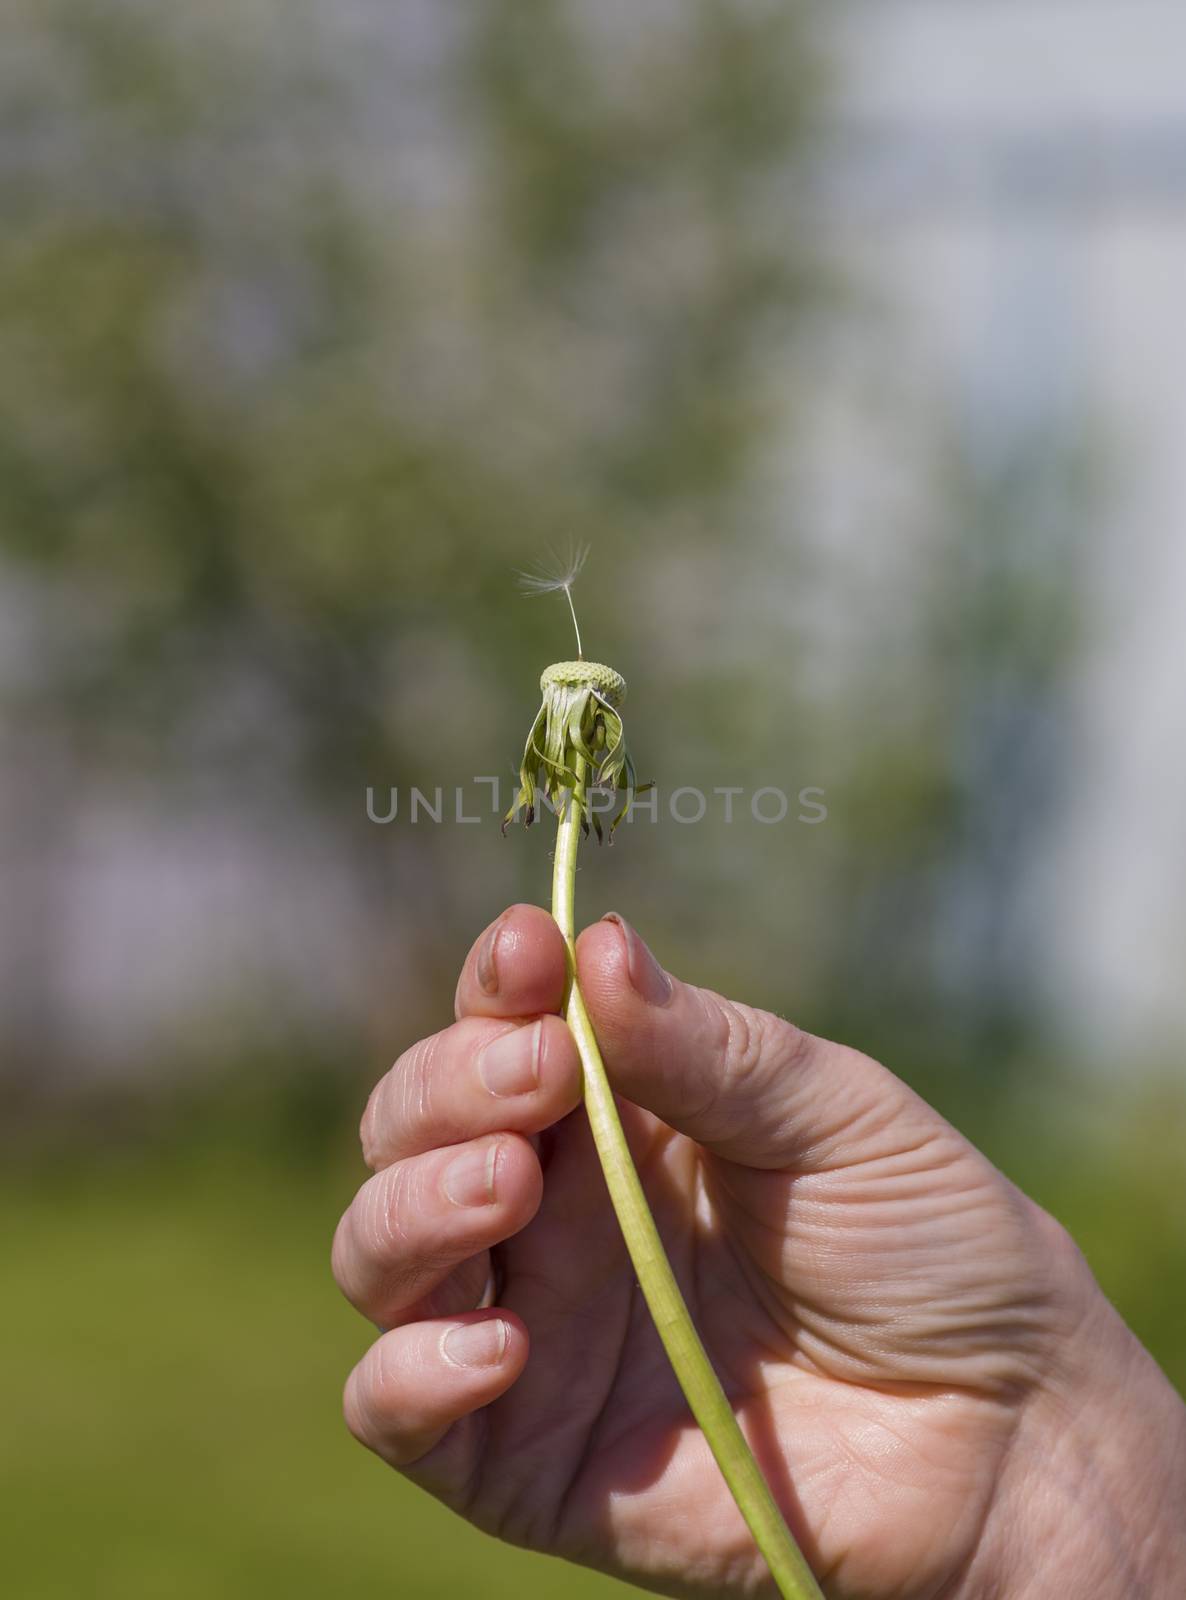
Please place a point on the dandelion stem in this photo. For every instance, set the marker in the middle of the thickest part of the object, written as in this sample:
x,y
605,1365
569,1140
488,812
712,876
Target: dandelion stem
x,y
688,1357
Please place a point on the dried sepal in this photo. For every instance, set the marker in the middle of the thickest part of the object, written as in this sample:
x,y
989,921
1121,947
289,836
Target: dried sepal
x,y
579,720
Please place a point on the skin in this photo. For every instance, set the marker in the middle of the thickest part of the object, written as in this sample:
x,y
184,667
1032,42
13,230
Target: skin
x,y
943,1402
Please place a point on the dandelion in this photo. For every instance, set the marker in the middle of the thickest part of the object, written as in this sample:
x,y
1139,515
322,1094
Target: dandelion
x,y
576,741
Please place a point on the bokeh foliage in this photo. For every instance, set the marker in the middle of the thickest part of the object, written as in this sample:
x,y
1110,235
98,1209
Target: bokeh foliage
x,y
316,327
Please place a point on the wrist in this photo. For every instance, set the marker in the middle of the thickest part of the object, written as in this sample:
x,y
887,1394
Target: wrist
x,y
1092,1500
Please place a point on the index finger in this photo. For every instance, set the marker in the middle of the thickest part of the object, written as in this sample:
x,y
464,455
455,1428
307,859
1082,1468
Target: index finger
x,y
516,968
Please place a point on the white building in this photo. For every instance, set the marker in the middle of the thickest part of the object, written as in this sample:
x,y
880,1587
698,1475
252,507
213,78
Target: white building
x,y
1010,180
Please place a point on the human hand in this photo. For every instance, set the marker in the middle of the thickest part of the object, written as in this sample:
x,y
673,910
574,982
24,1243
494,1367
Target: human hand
x,y
942,1401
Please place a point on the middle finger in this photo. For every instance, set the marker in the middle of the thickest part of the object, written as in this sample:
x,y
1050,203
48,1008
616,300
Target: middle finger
x,y
476,1077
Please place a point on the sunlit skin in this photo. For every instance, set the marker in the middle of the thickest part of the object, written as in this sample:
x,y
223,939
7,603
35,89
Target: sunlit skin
x,y
941,1398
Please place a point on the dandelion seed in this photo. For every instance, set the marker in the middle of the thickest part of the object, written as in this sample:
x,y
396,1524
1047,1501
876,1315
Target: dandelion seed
x,y
557,578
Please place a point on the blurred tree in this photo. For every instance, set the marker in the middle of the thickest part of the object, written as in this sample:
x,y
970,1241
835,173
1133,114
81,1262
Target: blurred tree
x,y
315,323
957,770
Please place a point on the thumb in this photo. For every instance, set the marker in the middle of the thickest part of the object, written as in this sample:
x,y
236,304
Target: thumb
x,y
744,1083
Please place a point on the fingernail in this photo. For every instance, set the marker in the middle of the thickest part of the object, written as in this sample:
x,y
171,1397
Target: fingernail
x,y
476,1344
488,959
509,1065
647,976
469,1178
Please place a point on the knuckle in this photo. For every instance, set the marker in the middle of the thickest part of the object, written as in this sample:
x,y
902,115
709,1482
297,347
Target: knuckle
x,y
786,1046
752,1050
401,1100
370,1245
369,1403
353,1409
341,1253
385,1206
368,1128
412,1084
384,1390
758,1046
743,1045
713,1029
1058,1259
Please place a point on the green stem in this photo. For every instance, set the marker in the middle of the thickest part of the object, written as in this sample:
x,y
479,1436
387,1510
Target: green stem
x,y
687,1355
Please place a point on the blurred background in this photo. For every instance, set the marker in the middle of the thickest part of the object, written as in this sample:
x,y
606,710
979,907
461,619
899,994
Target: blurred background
x,y
850,339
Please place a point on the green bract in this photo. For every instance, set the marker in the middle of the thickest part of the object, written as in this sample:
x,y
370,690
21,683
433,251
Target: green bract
x,y
578,724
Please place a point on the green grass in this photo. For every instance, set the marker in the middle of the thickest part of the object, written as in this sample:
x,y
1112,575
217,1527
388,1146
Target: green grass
x,y
172,1351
